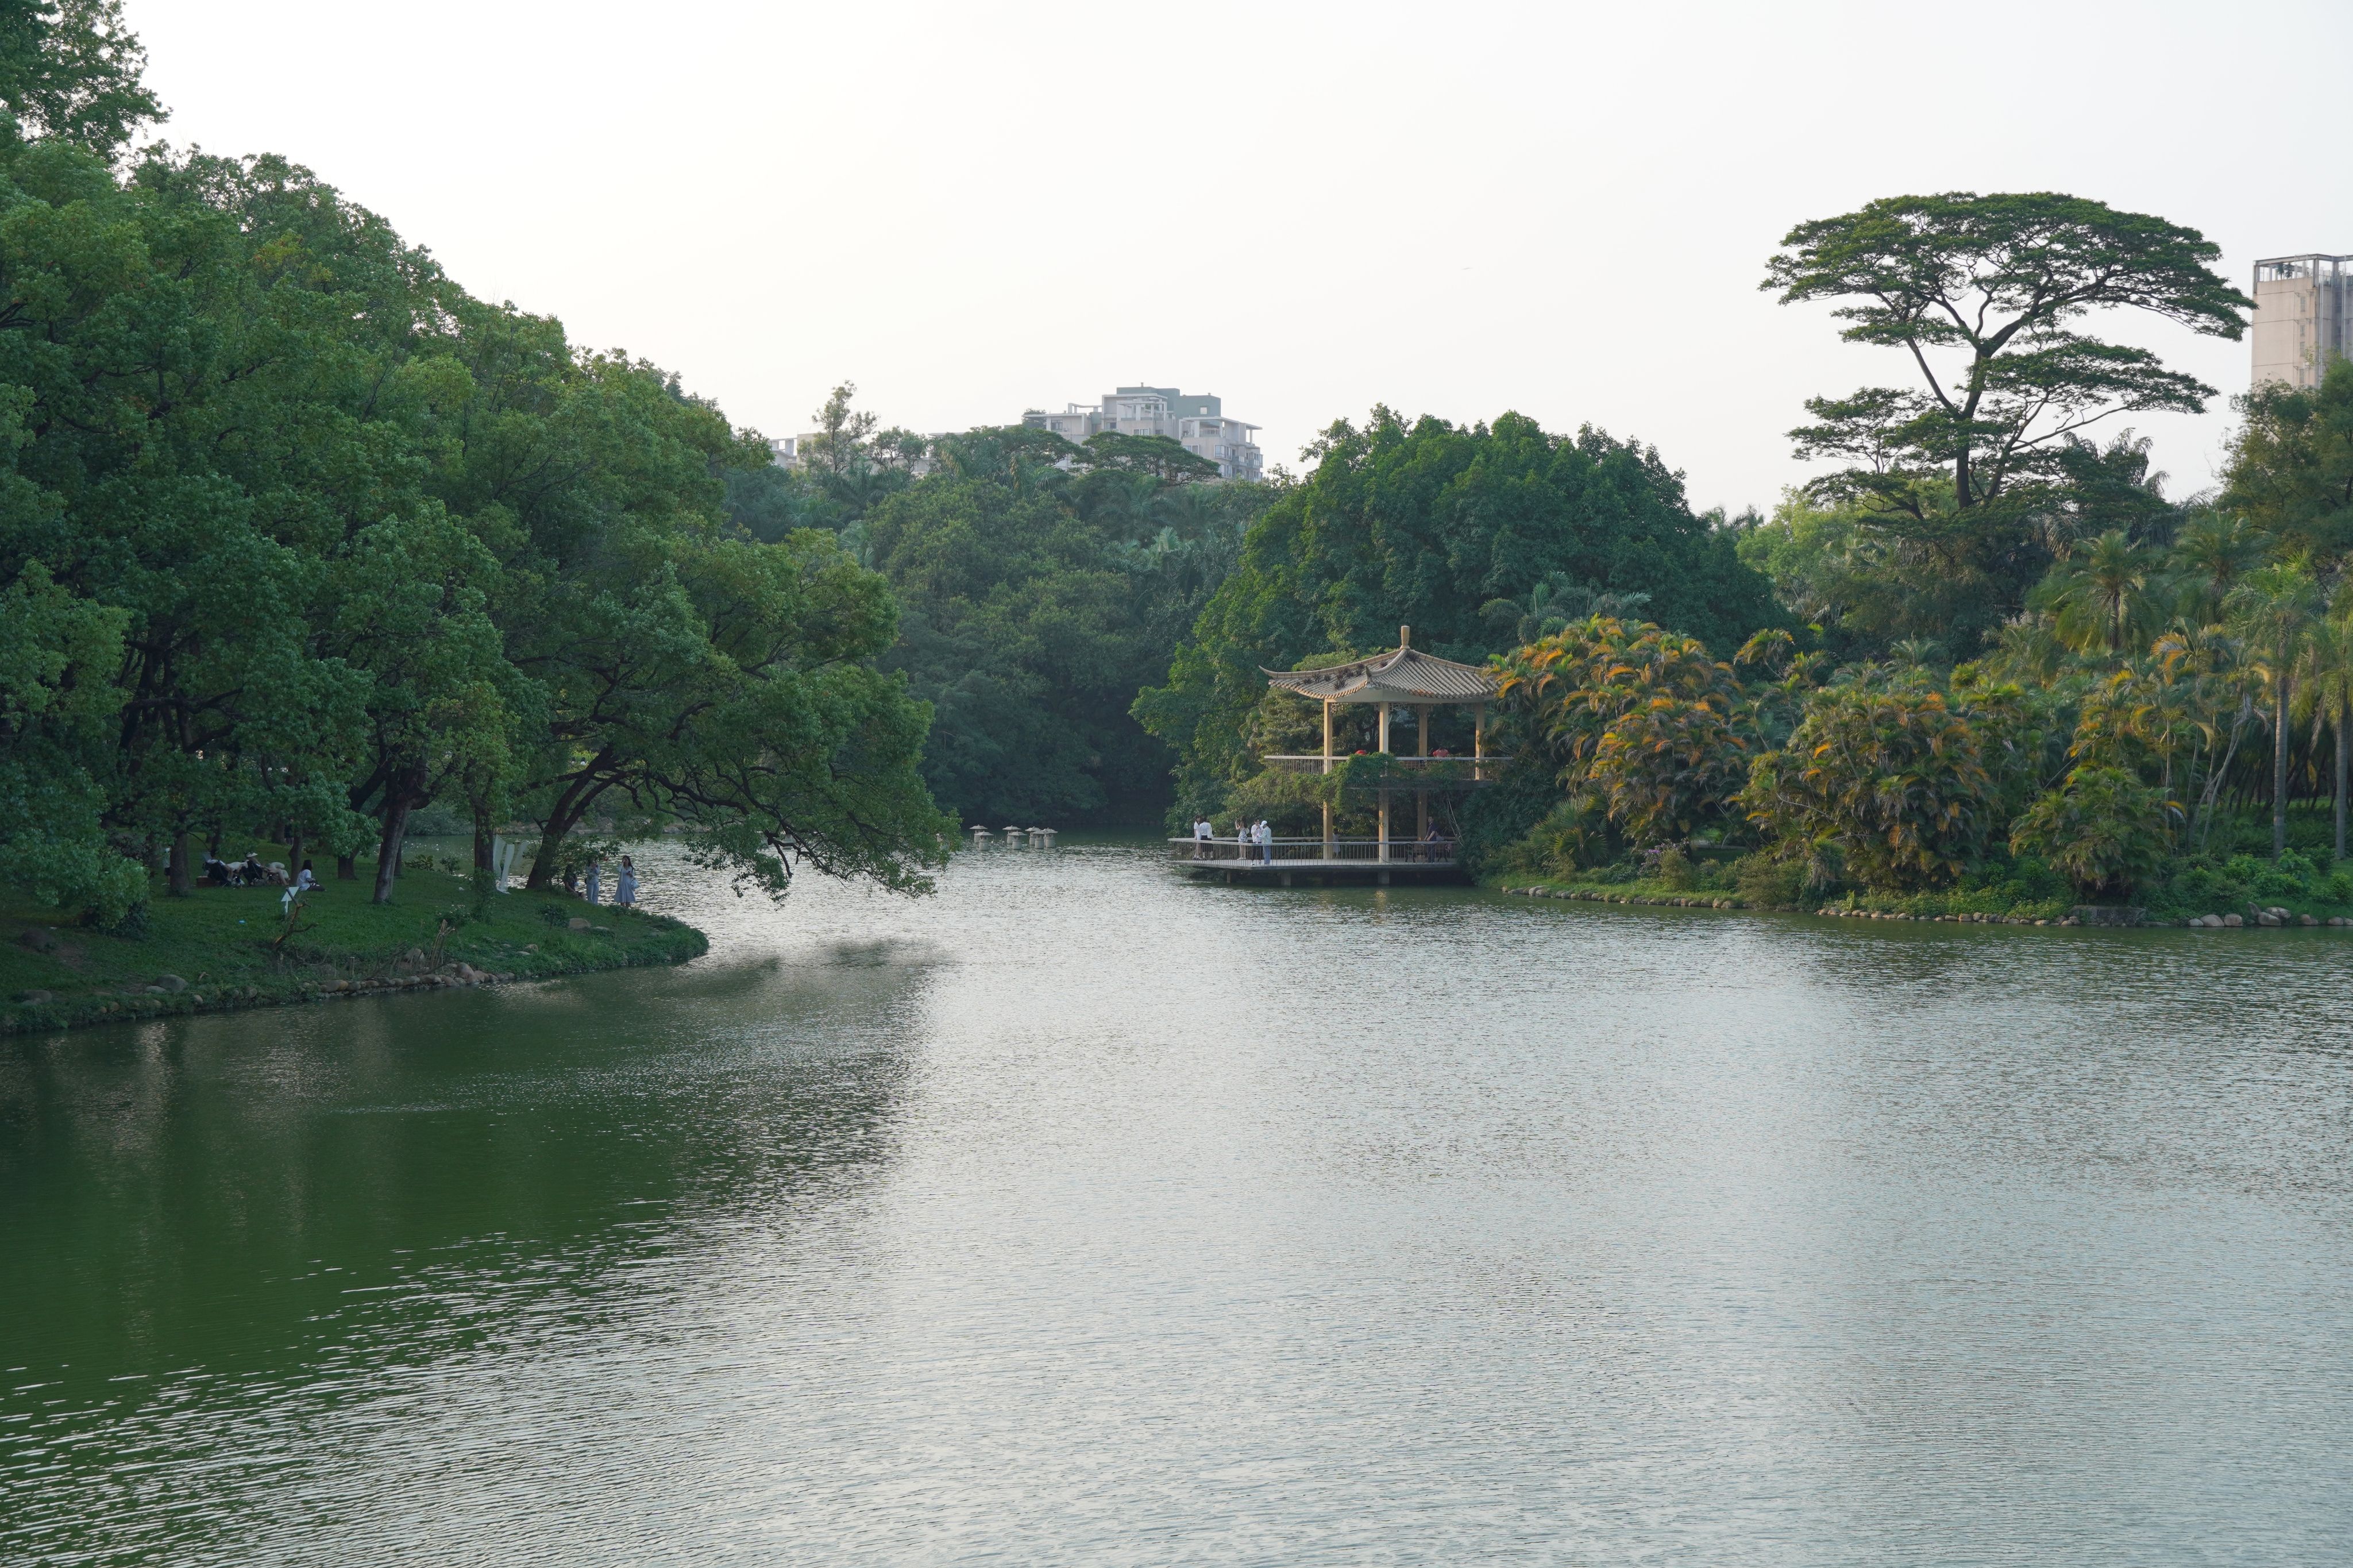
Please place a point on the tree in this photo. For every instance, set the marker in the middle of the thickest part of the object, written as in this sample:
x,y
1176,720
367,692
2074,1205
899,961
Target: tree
x,y
57,712
2273,610
1889,786
2101,595
70,70
1647,722
2326,694
1981,291
2291,469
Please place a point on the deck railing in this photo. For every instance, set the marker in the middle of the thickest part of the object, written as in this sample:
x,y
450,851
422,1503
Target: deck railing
x,y
1454,769
1325,851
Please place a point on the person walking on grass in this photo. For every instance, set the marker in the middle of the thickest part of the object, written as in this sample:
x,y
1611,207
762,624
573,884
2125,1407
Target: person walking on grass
x,y
625,890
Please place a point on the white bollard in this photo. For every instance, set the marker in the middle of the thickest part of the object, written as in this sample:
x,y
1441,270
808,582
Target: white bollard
x,y
1050,836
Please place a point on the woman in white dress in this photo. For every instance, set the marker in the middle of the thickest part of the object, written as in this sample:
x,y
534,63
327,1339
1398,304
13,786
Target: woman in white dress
x,y
595,881
625,890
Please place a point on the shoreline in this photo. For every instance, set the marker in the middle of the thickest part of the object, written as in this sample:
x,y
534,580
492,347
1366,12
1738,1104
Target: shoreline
x,y
2099,917
214,951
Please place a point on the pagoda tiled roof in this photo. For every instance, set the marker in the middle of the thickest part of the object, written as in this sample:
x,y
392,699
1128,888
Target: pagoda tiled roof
x,y
1404,674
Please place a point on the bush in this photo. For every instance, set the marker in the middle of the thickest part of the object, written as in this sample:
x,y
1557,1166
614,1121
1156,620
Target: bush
x,y
1888,787
1674,868
554,914
2104,828
1770,880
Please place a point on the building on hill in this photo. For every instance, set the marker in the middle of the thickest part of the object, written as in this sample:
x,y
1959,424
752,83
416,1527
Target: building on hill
x,y
1196,420
2304,317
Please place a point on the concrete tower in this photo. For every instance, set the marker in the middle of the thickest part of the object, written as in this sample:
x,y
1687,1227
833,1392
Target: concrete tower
x,y
2304,317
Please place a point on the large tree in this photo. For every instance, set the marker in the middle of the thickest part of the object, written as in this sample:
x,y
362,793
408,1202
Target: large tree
x,y
1983,294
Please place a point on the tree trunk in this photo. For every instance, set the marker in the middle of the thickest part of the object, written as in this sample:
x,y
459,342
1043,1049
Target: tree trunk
x,y
347,868
482,839
182,883
293,854
2279,774
2344,708
566,814
396,828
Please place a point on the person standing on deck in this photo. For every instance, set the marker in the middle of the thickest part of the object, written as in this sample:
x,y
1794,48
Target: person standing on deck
x,y
1264,833
1202,834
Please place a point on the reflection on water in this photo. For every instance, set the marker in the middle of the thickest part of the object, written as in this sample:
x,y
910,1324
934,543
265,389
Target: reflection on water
x,y
1082,1214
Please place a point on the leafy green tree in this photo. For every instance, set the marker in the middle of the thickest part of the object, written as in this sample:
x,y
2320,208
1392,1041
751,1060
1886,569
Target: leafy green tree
x,y
56,714
2291,469
1988,288
70,69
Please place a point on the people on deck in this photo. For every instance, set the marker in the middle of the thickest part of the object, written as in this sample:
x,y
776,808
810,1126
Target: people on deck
x,y
1264,833
625,890
1202,834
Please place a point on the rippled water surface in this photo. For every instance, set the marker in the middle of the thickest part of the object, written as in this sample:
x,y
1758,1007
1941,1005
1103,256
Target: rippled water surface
x,y
1083,1216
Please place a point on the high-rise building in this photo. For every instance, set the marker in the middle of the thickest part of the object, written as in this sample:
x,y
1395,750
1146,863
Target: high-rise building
x,y
2304,317
1196,420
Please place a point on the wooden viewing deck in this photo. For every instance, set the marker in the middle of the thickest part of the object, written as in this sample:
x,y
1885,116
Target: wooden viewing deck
x,y
1316,862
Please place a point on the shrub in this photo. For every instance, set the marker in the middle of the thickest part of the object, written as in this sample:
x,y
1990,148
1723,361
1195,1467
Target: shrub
x,y
1644,720
1771,880
1674,868
2104,828
1885,785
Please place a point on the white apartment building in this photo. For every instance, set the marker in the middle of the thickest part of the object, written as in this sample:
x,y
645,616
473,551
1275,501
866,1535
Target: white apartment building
x,y
2304,317
1196,420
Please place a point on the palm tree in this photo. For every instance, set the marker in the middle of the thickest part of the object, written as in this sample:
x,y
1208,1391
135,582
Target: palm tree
x,y
2209,557
2274,609
2325,691
2100,597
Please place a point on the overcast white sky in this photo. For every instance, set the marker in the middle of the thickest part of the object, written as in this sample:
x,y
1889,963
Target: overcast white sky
x,y
970,209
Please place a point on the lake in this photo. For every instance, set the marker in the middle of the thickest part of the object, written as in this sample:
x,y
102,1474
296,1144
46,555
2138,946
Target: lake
x,y
1079,1214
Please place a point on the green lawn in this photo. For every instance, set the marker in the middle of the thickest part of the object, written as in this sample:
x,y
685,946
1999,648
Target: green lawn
x,y
219,944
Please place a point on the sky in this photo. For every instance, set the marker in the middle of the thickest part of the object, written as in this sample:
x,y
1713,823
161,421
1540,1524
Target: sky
x,y
971,209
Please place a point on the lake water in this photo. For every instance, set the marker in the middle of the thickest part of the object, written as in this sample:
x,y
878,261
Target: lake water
x,y
1079,1214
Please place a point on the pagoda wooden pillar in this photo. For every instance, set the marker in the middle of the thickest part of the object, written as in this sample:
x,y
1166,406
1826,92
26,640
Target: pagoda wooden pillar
x,y
1385,788
1421,795
1328,851
1478,742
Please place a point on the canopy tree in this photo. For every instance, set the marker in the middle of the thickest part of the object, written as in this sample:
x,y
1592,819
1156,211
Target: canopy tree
x,y
1981,293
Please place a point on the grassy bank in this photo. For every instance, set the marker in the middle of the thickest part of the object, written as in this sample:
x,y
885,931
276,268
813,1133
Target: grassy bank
x,y
2001,902
213,951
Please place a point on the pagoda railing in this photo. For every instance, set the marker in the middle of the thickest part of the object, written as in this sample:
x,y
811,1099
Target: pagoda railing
x,y
1435,770
1325,851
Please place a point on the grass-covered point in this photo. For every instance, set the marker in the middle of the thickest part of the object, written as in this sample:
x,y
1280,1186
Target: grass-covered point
x,y
224,948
